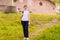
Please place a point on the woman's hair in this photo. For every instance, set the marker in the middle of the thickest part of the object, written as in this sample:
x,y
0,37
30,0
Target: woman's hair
x,y
25,5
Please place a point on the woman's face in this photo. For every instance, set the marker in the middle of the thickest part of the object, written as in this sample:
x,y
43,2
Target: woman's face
x,y
25,7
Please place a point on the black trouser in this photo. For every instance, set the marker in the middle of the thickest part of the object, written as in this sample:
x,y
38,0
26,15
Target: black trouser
x,y
25,28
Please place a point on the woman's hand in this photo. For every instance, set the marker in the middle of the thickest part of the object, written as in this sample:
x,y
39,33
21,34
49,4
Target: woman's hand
x,y
29,23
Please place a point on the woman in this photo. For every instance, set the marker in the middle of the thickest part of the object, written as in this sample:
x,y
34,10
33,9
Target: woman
x,y
25,21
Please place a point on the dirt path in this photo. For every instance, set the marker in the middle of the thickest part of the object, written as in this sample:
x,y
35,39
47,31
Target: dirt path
x,y
43,27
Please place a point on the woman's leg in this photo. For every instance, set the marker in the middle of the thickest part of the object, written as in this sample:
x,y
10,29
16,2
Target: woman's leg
x,y
25,28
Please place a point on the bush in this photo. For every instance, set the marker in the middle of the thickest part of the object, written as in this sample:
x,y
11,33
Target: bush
x,y
14,0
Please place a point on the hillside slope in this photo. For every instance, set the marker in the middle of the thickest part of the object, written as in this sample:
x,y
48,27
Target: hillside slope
x,y
50,33
11,28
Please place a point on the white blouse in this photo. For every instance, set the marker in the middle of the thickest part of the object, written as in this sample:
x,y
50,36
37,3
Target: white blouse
x,y
25,15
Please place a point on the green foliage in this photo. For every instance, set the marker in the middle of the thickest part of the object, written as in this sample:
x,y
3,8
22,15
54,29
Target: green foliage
x,y
14,0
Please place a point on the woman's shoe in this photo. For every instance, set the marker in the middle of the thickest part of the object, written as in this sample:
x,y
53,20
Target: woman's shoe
x,y
26,38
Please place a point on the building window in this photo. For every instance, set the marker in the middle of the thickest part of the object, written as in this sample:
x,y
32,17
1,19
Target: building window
x,y
40,4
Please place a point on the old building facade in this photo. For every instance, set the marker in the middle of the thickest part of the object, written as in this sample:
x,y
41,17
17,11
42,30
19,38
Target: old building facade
x,y
39,6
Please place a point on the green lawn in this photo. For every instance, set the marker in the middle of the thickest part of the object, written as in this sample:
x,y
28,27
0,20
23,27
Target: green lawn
x,y
56,1
11,28
50,33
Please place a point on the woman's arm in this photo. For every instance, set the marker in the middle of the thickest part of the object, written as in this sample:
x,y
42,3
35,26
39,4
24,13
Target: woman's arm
x,y
29,18
22,13
30,11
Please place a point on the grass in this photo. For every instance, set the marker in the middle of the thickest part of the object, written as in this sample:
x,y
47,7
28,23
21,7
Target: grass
x,y
50,33
11,28
56,1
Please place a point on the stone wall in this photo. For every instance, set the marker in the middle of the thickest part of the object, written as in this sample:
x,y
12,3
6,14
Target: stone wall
x,y
4,4
39,6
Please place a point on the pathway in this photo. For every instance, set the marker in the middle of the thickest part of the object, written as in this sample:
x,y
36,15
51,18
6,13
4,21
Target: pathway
x,y
43,27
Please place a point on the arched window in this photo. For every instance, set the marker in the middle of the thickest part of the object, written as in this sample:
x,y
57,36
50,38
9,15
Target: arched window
x,y
40,3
